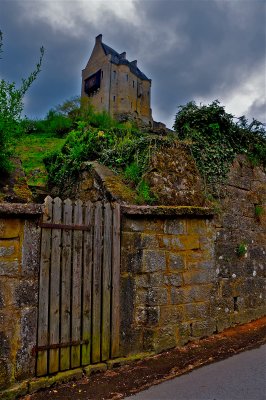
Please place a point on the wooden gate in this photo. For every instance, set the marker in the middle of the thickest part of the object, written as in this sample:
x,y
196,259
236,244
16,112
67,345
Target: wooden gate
x,y
78,322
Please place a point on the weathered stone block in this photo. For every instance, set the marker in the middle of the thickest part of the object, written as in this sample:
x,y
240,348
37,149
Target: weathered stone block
x,y
26,294
159,339
153,261
148,241
154,225
10,228
173,280
25,360
198,277
15,391
133,225
171,243
196,226
92,369
131,240
148,316
127,300
131,340
176,262
30,249
190,294
156,296
190,242
2,297
6,250
171,314
202,329
9,268
5,373
4,345
131,261
141,297
174,226
197,311
184,330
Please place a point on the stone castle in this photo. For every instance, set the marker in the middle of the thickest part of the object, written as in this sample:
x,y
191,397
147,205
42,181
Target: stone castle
x,y
117,85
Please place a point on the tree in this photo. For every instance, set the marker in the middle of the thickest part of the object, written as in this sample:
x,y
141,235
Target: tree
x,y
11,106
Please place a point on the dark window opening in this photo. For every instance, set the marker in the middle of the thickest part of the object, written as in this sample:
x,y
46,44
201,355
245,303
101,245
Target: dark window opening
x,y
133,83
92,83
127,77
114,98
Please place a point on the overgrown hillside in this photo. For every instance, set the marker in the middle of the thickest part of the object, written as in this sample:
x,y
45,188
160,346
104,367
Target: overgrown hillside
x,y
156,167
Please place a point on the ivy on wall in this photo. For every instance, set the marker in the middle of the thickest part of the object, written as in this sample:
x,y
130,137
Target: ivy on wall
x,y
216,137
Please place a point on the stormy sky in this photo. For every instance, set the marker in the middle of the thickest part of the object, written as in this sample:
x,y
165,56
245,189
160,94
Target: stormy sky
x,y
198,50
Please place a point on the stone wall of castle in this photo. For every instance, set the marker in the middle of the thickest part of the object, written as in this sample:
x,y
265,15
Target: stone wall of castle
x,y
122,93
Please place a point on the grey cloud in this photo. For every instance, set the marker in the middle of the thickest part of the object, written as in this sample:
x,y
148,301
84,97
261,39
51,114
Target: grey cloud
x,y
190,49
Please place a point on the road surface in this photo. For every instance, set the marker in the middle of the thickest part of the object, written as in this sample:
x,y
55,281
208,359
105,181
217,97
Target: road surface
x,y
241,377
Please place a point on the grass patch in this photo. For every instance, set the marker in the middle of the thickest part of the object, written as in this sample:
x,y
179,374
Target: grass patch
x,y
31,149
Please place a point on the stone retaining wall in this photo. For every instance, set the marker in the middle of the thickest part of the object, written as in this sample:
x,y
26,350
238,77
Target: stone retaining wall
x,y
19,267
168,277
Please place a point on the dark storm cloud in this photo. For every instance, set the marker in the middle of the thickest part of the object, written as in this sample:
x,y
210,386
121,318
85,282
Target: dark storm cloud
x,y
223,43
190,49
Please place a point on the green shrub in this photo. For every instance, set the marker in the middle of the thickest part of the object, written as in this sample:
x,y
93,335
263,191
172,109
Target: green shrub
x,y
144,194
215,138
11,106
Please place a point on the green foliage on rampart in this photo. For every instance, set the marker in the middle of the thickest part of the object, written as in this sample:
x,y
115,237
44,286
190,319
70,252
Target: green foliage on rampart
x,y
216,137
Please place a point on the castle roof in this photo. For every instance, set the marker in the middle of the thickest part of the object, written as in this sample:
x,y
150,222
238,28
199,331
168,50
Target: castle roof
x,y
119,59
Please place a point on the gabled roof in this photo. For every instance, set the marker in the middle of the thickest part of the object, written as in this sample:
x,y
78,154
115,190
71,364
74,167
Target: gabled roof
x,y
117,59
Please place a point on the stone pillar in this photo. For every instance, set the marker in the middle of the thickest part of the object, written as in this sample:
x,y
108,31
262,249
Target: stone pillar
x,y
19,267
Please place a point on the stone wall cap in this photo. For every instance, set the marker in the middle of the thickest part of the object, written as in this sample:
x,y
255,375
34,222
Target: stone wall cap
x,y
167,210
19,209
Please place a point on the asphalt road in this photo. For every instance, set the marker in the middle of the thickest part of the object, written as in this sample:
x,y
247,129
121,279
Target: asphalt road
x,y
241,377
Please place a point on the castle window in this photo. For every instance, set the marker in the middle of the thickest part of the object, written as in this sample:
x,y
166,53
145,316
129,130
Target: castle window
x,y
133,83
114,98
114,74
127,77
101,99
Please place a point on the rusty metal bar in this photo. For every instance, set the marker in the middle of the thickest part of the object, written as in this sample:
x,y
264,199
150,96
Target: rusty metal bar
x,y
36,349
63,226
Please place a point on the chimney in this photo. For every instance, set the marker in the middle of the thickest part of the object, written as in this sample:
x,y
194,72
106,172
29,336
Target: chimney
x,y
98,38
134,63
123,55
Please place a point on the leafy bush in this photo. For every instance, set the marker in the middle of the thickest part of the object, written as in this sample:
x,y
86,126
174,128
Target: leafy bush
x,y
118,146
11,106
215,138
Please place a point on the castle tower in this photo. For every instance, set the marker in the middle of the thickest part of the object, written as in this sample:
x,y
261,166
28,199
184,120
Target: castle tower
x,y
116,85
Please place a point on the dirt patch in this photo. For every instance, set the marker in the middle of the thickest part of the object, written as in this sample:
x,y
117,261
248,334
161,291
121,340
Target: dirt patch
x,y
130,379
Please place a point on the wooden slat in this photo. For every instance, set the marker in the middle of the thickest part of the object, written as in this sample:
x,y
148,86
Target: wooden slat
x,y
116,282
66,286
96,286
76,285
87,284
106,282
55,286
42,357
